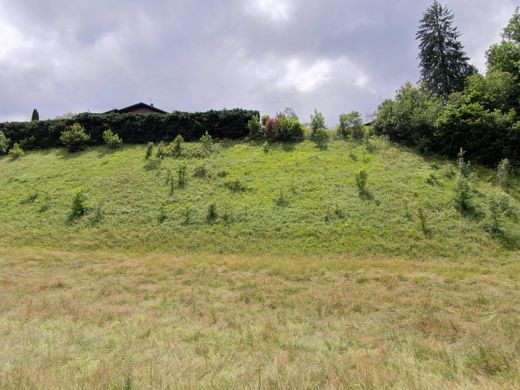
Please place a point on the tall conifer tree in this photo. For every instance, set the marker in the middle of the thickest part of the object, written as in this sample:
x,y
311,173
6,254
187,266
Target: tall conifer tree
x,y
35,115
444,64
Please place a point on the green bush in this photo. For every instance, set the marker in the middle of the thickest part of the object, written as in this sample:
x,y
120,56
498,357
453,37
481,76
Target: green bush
x,y
75,139
113,141
4,143
361,183
176,149
16,152
266,147
254,127
464,196
321,138
78,206
290,129
207,143
351,126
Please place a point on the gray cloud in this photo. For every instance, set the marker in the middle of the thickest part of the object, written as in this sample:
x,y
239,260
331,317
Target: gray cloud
x,y
333,55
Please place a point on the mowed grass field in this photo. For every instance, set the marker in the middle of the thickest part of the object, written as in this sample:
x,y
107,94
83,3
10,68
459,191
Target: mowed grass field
x,y
298,282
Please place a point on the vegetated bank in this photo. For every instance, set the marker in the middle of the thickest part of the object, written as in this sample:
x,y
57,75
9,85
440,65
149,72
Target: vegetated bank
x,y
363,199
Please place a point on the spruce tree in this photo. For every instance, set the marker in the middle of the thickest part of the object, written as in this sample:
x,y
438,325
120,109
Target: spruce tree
x,y
35,115
444,64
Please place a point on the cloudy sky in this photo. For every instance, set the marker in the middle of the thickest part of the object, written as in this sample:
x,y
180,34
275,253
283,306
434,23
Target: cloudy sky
x,y
334,55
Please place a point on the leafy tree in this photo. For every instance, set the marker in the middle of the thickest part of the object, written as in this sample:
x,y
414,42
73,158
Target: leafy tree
x,y
482,132
444,64
35,115
351,125
512,31
505,56
410,118
317,121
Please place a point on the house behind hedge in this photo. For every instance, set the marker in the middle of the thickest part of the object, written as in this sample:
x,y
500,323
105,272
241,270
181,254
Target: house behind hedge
x,y
139,108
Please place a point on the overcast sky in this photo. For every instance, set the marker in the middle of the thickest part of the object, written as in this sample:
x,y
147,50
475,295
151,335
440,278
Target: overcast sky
x,y
334,55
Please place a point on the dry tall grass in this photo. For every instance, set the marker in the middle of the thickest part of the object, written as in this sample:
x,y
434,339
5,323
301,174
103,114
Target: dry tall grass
x,y
99,320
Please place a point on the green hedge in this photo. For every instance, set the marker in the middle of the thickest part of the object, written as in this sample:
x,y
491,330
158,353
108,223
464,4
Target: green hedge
x,y
133,128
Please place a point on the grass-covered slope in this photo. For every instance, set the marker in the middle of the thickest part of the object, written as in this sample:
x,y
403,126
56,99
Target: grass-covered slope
x,y
298,280
296,199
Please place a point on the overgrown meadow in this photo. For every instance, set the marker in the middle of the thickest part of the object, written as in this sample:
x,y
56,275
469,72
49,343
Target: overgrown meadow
x,y
239,198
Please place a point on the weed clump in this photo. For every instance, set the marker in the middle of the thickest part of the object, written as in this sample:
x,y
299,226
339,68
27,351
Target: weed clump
x,y
361,183
200,172
149,150
182,178
503,172
178,146
281,200
161,150
162,217
235,186
212,214
424,223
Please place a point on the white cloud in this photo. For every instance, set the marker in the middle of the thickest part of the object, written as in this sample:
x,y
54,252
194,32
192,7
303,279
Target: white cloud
x,y
306,77
276,10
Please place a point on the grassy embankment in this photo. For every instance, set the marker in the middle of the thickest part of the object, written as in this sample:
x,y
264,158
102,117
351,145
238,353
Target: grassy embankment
x,y
299,281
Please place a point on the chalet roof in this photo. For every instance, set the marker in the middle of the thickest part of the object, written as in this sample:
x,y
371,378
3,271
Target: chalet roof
x,y
135,107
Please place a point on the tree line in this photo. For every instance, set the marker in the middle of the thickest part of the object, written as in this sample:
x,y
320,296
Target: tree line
x,y
454,106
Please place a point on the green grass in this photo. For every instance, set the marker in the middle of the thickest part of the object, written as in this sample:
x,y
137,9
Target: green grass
x,y
296,199
295,280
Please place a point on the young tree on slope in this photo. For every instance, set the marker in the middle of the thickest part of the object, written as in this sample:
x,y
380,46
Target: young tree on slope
x,y
444,64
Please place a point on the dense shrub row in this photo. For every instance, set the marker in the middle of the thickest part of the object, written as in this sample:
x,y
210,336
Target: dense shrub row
x,y
132,128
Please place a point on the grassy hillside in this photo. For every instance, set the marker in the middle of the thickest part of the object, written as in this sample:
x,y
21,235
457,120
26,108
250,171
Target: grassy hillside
x,y
297,281
294,200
